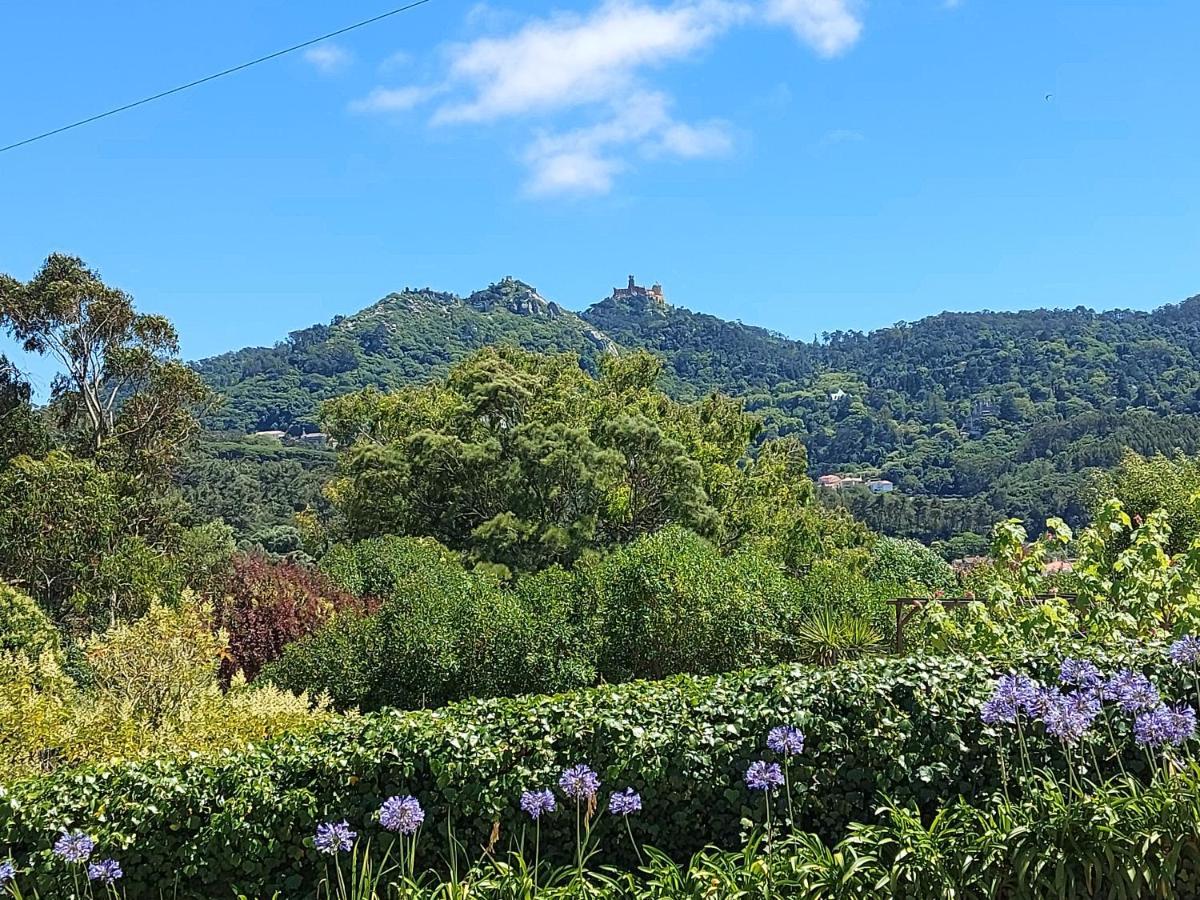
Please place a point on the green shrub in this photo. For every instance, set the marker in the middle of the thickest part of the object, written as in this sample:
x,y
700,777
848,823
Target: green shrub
x,y
442,634
909,562
906,728
24,627
671,602
149,687
665,604
376,567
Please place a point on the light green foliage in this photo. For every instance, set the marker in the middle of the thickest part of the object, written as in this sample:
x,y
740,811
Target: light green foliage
x,y
24,626
522,461
147,687
1140,592
825,637
1144,485
905,561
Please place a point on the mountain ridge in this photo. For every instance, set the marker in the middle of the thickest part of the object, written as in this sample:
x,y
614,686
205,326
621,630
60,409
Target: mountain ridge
x,y
974,416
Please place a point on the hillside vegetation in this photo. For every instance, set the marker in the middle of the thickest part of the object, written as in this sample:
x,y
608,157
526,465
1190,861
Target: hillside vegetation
x,y
973,416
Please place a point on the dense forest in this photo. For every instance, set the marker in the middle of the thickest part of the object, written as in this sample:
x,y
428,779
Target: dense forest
x,y
973,416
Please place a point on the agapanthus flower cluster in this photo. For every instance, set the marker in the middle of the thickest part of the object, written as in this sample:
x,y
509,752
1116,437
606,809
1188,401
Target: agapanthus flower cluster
x,y
1165,725
622,803
1130,690
764,776
579,782
333,837
402,815
1071,716
74,847
786,740
1186,651
538,803
1014,695
106,871
7,873
1079,672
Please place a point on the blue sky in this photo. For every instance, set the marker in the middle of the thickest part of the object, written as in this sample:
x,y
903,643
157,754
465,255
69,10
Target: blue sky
x,y
807,165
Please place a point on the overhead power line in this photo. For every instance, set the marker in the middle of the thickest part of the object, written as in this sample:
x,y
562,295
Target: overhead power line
x,y
214,76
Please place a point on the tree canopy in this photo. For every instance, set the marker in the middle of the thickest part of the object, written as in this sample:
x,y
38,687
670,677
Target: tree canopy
x,y
521,460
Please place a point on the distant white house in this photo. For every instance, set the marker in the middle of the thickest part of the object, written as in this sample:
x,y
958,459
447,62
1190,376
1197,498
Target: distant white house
x,y
830,481
880,486
274,434
837,395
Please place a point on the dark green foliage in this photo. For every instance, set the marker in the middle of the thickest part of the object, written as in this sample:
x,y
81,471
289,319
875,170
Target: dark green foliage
x,y
905,728
256,486
523,461
442,634
975,416
22,429
405,338
667,603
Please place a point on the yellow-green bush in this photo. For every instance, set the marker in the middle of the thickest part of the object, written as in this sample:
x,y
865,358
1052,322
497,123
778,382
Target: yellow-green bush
x,y
148,687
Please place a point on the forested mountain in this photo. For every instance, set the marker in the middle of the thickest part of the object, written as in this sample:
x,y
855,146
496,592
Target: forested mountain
x,y
406,337
973,416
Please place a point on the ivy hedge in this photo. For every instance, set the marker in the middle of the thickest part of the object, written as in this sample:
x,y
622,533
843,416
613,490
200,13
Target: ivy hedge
x,y
242,822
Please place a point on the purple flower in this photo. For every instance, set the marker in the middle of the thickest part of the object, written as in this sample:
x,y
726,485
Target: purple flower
x,y
1185,651
7,873
1154,727
1018,690
1182,724
764,776
74,847
579,782
1133,691
625,802
1070,716
786,740
106,871
997,710
333,837
401,814
1079,672
538,802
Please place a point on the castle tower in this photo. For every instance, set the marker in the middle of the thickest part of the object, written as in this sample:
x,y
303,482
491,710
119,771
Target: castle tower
x,y
631,284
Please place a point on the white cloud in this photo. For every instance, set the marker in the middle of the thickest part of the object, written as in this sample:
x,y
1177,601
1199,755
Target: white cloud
x,y
828,26
585,77
584,160
569,61
385,100
328,58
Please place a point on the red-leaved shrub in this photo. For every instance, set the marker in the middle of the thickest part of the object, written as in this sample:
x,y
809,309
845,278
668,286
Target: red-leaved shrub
x,y
266,605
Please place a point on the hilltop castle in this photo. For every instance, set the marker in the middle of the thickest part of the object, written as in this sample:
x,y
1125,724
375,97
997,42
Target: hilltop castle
x,y
654,292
